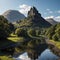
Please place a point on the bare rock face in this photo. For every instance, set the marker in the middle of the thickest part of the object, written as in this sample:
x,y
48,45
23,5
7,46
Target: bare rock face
x,y
37,19
13,15
34,19
33,11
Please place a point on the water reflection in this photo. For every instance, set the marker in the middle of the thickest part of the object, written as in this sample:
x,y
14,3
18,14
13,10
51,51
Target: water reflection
x,y
37,49
46,55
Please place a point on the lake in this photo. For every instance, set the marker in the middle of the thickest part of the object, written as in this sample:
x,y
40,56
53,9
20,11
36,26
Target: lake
x,y
46,55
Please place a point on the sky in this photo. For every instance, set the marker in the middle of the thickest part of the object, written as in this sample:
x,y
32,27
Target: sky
x,y
47,8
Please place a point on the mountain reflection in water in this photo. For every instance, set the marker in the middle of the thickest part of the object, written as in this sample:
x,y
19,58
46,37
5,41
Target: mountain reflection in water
x,y
46,55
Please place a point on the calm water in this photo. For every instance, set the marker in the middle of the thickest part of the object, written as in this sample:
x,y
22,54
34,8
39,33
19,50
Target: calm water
x,y
46,55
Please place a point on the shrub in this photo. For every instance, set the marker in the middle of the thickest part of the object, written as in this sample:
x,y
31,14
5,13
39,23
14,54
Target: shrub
x,y
21,32
4,28
55,37
31,32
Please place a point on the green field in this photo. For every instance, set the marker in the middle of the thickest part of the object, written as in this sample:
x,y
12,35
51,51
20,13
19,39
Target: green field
x,y
57,43
15,38
5,58
12,39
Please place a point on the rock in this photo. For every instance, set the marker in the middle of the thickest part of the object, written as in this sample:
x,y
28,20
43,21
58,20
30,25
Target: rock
x,y
34,19
33,12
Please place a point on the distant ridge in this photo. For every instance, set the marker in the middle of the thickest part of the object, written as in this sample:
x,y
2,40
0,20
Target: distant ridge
x,y
51,21
13,15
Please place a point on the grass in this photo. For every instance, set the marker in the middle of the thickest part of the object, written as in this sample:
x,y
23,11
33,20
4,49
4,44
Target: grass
x,y
57,43
5,58
15,38
10,40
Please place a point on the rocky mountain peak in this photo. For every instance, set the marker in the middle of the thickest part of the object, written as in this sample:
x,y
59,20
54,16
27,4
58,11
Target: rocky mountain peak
x,y
35,18
33,11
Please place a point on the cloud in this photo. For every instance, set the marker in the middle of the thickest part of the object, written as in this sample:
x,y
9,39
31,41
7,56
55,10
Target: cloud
x,y
57,18
45,13
24,9
49,11
49,17
58,11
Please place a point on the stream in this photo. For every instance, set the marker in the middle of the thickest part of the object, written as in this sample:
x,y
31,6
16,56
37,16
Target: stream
x,y
46,55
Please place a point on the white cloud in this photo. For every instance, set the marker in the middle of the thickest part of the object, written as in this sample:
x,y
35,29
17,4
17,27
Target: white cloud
x,y
58,11
45,13
24,9
57,18
49,17
49,11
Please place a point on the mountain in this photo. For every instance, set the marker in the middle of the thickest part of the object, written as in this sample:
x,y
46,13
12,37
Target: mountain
x,y
34,19
51,21
13,15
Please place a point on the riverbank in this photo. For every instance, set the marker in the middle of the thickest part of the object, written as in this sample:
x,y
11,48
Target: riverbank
x,y
57,43
54,46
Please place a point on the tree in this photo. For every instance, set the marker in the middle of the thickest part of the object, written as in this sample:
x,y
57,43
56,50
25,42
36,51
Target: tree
x,y
21,32
4,28
11,27
31,32
54,32
55,37
50,32
36,47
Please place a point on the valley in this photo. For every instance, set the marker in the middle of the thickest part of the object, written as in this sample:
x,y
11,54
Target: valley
x,y
32,34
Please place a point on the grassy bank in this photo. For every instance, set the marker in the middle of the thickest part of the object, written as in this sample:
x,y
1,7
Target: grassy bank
x,y
57,43
5,58
15,38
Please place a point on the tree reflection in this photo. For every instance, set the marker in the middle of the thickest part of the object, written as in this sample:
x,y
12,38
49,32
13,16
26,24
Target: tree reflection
x,y
35,48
